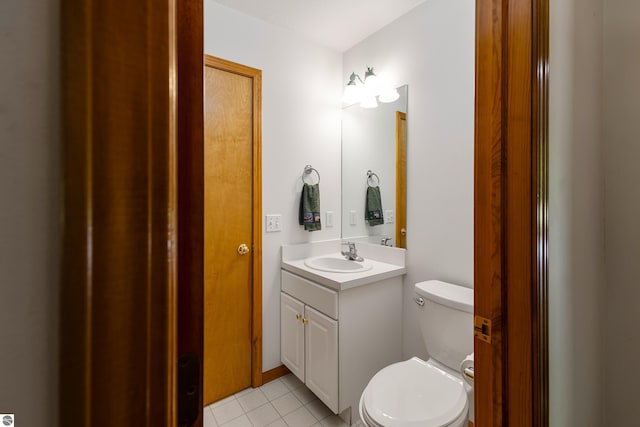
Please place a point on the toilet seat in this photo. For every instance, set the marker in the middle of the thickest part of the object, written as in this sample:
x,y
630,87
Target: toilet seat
x,y
414,393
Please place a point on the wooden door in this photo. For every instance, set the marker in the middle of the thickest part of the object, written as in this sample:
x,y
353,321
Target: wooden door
x,y
118,287
229,233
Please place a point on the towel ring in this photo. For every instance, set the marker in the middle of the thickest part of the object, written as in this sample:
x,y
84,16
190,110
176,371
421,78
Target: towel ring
x,y
370,176
307,171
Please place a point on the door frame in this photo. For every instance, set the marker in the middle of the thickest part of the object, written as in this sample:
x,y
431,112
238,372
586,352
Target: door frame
x,y
256,201
511,212
166,64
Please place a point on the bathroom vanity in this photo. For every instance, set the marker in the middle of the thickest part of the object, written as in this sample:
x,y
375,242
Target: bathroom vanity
x,y
340,322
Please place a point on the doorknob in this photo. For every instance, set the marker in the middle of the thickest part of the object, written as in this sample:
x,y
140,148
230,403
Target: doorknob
x,y
243,249
403,231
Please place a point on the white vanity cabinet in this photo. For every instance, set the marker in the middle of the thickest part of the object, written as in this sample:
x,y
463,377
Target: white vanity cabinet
x,y
310,348
335,341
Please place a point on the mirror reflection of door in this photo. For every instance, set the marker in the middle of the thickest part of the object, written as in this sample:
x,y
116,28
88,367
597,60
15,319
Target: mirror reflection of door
x,y
401,179
374,139
228,234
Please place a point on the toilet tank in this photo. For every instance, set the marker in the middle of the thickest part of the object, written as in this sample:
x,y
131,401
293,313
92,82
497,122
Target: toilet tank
x,y
446,321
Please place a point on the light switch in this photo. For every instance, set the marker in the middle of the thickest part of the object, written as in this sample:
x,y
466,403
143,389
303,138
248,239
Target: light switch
x,y
329,219
352,218
273,223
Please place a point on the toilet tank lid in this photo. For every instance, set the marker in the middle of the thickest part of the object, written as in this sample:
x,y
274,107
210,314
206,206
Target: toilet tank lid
x,y
454,296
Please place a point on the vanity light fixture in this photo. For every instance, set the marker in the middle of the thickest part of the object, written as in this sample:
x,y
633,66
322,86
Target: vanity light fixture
x,y
365,91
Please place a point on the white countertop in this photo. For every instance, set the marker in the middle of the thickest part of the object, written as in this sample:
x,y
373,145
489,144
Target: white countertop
x,y
385,263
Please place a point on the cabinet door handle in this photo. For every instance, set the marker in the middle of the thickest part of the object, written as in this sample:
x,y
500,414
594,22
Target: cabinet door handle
x,y
297,316
305,320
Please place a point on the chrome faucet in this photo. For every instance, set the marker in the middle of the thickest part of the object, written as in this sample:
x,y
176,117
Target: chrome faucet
x,y
352,253
385,241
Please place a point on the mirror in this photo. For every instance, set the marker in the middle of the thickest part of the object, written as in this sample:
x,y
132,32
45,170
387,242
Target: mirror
x,y
371,139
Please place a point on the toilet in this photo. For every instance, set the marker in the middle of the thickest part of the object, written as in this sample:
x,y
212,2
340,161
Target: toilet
x,y
428,393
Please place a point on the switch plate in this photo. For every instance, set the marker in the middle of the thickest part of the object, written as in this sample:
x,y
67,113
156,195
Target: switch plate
x,y
273,223
352,218
329,219
389,216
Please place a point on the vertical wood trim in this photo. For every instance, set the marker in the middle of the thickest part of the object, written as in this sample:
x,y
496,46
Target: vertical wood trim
x,y
118,312
256,319
519,213
489,218
511,203
191,184
540,107
401,179
256,316
76,319
162,285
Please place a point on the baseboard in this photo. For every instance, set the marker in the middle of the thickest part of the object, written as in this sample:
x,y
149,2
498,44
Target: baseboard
x,y
272,374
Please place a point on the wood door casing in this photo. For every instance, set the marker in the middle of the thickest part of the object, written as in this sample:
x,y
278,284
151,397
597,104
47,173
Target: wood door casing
x,y
510,208
401,179
229,193
190,202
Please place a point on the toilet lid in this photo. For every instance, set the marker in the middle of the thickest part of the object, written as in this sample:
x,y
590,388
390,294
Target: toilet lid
x,y
414,393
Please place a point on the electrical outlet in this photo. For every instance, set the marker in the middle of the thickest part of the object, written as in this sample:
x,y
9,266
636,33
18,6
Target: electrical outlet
x,y
273,223
389,216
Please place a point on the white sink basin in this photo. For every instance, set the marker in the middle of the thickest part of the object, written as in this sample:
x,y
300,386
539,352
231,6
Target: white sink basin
x,y
337,264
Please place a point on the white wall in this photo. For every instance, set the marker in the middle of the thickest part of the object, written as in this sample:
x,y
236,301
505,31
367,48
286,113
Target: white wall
x,y
621,142
432,50
301,88
576,241
29,193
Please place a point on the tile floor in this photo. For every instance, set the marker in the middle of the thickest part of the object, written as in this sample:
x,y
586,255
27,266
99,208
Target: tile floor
x,y
284,402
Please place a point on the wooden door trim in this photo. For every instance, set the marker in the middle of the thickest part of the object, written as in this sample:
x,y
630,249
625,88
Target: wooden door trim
x,y
256,245
540,202
511,206
401,178
190,201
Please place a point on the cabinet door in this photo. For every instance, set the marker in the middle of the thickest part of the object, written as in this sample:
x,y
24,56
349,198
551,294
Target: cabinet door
x,y
321,356
292,335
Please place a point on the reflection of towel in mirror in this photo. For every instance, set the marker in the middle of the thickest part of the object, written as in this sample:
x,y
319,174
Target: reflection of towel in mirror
x,y
373,208
310,207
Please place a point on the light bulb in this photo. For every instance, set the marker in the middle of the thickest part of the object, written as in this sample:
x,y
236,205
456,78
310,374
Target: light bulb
x,y
351,94
369,101
389,95
372,84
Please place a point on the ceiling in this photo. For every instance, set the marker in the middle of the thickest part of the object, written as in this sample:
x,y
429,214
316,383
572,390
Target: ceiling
x,y
338,24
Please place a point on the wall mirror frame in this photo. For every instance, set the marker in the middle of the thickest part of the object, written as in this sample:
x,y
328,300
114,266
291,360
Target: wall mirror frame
x,y
374,142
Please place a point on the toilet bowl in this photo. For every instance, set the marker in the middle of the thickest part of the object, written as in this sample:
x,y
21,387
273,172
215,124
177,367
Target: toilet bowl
x,y
414,393
428,393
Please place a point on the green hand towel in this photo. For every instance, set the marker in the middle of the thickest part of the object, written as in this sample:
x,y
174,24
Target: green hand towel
x,y
373,208
310,207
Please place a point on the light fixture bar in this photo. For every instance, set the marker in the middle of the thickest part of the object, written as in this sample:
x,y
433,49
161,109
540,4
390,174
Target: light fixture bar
x,y
366,91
